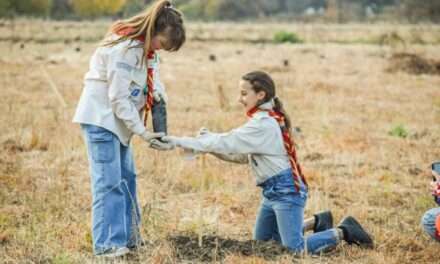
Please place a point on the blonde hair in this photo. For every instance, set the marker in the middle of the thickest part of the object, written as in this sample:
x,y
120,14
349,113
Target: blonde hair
x,y
159,18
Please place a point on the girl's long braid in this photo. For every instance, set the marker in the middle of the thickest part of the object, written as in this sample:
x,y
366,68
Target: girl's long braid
x,y
261,81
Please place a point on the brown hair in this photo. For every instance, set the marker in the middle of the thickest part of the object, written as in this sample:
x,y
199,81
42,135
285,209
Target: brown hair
x,y
159,18
261,81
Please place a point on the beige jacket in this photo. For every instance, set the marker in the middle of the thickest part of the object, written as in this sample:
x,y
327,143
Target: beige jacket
x,y
258,142
113,94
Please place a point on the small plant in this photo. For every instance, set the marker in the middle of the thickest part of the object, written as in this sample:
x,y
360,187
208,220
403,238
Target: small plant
x,y
398,131
62,259
286,37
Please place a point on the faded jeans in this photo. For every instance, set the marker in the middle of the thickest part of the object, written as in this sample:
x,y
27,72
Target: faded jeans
x,y
115,210
428,222
281,217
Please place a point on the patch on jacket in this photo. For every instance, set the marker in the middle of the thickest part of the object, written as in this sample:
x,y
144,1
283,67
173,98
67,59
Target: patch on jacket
x,y
135,92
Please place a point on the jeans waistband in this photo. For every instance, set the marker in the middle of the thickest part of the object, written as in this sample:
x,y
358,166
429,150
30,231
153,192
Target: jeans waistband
x,y
284,176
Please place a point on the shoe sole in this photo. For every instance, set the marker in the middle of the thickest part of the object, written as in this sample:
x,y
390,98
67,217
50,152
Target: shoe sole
x,y
353,222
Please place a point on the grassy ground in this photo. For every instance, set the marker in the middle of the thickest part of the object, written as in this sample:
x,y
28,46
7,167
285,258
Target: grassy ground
x,y
369,125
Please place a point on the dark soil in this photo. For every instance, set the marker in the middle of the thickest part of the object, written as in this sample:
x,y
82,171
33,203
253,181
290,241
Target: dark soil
x,y
413,64
216,248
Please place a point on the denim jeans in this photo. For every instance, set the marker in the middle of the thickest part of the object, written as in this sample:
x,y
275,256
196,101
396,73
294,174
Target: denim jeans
x,y
115,211
281,217
428,222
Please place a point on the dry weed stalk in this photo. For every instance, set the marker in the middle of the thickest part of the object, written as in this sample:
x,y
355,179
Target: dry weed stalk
x,y
223,100
53,86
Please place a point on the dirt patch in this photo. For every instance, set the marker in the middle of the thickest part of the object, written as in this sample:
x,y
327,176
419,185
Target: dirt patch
x,y
415,171
216,248
315,156
413,64
12,146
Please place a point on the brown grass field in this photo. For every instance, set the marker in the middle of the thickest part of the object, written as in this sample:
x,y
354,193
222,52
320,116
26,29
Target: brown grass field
x,y
365,97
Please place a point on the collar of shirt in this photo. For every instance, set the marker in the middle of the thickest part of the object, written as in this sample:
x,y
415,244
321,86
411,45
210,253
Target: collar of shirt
x,y
267,106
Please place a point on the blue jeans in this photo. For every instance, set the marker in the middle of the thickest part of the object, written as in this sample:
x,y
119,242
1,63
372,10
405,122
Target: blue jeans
x,y
281,217
115,210
428,222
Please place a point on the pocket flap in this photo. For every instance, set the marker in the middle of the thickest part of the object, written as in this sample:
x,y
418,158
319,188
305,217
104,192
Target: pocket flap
x,y
102,136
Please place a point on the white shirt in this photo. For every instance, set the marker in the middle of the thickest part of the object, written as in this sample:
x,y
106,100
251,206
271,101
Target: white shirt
x,y
258,142
113,95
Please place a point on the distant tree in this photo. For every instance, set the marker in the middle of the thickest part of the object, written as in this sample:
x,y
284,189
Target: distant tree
x,y
95,8
28,7
133,7
233,10
61,9
416,11
196,9
7,8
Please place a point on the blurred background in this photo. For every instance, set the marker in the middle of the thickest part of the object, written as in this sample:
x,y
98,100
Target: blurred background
x,y
360,80
339,11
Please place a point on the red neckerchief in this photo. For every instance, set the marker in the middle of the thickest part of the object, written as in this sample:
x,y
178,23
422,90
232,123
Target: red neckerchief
x,y
288,144
437,225
149,100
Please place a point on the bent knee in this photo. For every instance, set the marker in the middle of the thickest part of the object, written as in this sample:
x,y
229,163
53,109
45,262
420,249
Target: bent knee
x,y
428,219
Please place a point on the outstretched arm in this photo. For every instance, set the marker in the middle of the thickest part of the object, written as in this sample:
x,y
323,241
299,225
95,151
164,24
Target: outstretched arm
x,y
236,158
253,137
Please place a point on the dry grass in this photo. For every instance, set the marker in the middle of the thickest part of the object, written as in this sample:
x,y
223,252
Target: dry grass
x,y
340,94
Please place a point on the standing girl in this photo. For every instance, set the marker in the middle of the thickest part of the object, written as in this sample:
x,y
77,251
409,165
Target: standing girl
x,y
266,143
120,89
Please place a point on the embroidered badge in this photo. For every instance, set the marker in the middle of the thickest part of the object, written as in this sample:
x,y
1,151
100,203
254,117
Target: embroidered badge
x,y
135,92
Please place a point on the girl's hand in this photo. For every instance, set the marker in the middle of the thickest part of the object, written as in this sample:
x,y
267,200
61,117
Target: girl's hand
x,y
170,140
161,145
148,136
160,95
203,131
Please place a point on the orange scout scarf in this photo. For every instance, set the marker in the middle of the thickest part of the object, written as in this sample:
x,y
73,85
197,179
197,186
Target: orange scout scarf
x,y
288,144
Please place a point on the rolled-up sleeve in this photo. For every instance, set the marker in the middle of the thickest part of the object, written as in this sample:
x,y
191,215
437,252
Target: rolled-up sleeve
x,y
254,137
119,76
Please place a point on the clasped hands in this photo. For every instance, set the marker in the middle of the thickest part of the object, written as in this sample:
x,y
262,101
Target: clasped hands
x,y
160,141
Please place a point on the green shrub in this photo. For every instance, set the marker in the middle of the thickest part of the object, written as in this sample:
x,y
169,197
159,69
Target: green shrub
x,y
398,131
286,37
62,259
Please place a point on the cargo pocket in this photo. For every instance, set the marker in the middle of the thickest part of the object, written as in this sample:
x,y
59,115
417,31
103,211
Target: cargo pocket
x,y
102,146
